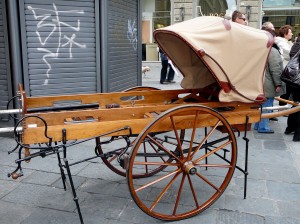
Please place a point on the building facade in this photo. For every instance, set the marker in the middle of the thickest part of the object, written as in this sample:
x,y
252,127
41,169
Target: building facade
x,y
160,13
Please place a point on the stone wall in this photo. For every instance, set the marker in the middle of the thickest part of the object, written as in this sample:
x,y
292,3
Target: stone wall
x,y
182,10
252,10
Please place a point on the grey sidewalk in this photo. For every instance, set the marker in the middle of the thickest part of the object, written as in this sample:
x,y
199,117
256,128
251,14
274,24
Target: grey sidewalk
x,y
273,195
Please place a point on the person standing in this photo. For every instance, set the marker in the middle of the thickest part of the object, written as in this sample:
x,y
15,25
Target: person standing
x,y
293,121
164,79
285,45
272,84
283,42
296,46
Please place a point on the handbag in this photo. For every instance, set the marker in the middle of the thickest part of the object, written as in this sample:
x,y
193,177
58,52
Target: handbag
x,y
291,72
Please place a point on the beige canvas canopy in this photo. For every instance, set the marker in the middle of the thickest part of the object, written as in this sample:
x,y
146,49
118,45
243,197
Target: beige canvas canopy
x,y
210,50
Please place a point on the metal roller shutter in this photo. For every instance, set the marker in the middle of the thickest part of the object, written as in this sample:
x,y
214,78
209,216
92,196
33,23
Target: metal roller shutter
x,y
5,85
123,43
60,47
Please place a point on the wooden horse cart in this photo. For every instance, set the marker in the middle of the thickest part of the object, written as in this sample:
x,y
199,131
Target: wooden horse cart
x,y
177,148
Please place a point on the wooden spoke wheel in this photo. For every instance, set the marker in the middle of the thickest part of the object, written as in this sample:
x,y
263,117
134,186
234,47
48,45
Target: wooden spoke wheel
x,y
112,162
195,173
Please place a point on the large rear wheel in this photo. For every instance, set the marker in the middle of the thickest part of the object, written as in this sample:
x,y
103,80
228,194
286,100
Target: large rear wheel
x,y
195,171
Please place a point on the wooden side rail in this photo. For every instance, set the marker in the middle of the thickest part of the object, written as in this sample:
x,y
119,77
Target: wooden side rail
x,y
137,118
103,100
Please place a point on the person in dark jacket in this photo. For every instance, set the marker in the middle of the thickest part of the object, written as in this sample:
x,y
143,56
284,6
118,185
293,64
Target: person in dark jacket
x,y
293,121
296,47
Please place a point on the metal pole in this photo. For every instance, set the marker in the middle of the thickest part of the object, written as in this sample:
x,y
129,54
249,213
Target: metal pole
x,y
10,130
14,43
11,111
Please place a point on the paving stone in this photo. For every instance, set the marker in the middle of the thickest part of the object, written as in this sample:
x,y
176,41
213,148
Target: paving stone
x,y
232,217
275,136
41,178
275,145
50,164
77,181
255,188
7,186
7,144
98,186
283,191
289,209
134,214
4,170
259,206
50,216
100,171
296,158
104,206
277,157
274,172
4,160
209,216
42,196
281,220
14,213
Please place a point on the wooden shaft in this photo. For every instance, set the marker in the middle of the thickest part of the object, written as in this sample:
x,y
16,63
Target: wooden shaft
x,y
287,101
281,113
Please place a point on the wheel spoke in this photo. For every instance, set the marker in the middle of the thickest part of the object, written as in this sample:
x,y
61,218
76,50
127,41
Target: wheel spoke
x,y
214,165
113,158
155,163
177,136
145,158
163,192
193,191
204,140
208,182
158,180
179,194
193,136
152,146
212,151
163,148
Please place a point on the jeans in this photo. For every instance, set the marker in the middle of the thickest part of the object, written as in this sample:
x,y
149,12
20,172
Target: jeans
x,y
263,125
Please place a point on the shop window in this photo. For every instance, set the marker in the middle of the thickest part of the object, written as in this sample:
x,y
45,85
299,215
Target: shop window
x,y
282,12
156,14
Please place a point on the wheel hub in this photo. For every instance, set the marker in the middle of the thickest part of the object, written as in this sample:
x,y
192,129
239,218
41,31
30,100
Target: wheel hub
x,y
189,168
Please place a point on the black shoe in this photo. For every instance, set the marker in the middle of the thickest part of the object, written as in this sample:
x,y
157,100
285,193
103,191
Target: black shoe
x,y
288,131
171,81
273,119
164,82
266,132
296,139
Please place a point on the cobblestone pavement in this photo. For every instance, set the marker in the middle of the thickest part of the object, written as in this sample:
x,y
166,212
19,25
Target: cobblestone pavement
x,y
273,193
